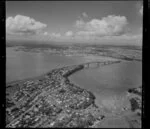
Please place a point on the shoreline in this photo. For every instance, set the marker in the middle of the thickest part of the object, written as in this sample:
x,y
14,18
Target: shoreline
x,y
56,91
44,74
114,54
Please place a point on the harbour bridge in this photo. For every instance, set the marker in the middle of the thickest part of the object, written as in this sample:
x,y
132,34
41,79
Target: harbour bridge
x,y
98,64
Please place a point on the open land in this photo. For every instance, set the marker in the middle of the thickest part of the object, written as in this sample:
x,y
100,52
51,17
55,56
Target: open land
x,y
129,53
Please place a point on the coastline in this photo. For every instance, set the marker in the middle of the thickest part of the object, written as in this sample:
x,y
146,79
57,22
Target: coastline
x,y
38,77
55,82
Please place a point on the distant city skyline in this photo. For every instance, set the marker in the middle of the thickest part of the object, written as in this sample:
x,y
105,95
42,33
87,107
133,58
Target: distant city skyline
x,y
101,22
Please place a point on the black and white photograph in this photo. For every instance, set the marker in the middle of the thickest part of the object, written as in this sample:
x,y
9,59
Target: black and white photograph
x,y
74,64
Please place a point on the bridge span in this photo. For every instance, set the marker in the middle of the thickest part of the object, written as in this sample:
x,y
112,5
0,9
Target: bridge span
x,y
99,64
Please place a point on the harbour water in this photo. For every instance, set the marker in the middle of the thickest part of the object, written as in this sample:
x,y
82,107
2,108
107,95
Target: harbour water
x,y
108,83
22,65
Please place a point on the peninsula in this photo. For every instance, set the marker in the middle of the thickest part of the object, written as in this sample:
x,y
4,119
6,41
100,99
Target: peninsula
x,y
53,101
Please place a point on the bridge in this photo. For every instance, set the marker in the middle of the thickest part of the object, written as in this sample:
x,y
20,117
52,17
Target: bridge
x,y
98,64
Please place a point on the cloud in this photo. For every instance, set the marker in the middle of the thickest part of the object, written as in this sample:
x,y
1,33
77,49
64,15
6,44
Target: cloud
x,y
23,25
69,33
83,17
84,14
80,23
55,35
141,10
107,26
45,33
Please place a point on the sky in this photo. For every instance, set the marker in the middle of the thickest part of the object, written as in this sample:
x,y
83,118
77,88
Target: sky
x,y
101,22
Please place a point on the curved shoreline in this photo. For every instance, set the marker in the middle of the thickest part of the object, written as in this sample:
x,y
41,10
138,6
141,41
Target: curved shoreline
x,y
56,91
36,77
